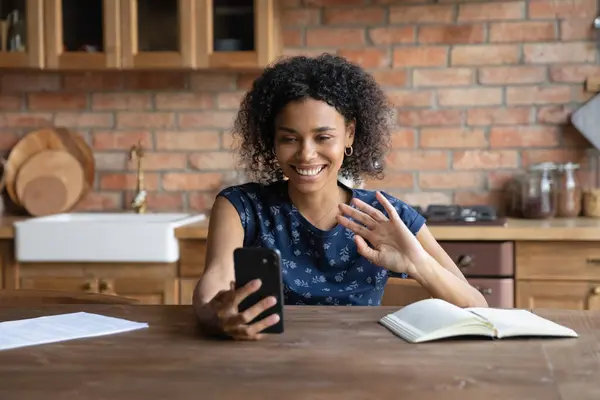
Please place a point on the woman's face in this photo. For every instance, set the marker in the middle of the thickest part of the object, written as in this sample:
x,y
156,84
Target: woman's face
x,y
310,138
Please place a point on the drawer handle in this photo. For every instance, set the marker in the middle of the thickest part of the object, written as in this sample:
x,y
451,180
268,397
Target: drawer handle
x,y
464,261
596,291
484,291
595,261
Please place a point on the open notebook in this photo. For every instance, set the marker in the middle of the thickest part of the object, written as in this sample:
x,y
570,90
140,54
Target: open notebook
x,y
433,319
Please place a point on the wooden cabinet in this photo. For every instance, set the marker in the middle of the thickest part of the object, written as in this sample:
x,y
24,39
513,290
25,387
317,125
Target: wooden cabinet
x,y
144,34
558,274
23,40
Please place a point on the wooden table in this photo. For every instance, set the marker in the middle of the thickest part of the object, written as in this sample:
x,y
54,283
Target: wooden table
x,y
326,353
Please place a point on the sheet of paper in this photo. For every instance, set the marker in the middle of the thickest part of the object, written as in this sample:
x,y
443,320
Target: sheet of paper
x,y
58,328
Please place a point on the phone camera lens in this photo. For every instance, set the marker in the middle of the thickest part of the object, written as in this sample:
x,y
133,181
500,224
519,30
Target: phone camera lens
x,y
264,260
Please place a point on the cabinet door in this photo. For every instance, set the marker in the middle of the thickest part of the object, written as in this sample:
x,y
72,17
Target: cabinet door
x,y
22,33
158,33
146,290
61,283
238,33
82,34
559,295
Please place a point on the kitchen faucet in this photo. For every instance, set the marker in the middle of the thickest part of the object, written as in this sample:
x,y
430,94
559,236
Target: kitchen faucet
x,y
139,202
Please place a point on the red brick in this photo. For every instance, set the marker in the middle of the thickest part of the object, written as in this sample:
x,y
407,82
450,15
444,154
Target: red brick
x,y
126,181
424,199
57,101
145,119
8,139
442,77
499,116
292,37
191,181
485,159
416,160
538,94
84,120
559,9
162,161
576,29
522,31
430,117
390,77
559,114
368,57
245,80
392,35
96,201
469,97
410,98
422,56
184,101
111,140
421,14
179,140
301,17
201,201
511,75
25,120
529,157
391,180
334,37
403,138
493,198
291,3
229,100
201,81
485,54
452,138
524,136
29,82
499,179
206,119
327,3
10,102
571,137
451,34
121,101
153,80
110,161
159,201
559,52
451,180
355,15
491,11
573,73
212,160
93,81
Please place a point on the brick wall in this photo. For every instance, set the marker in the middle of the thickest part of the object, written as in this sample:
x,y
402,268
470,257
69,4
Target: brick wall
x,y
482,89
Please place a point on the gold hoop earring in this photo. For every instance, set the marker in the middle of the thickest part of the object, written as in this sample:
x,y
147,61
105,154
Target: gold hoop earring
x,y
349,153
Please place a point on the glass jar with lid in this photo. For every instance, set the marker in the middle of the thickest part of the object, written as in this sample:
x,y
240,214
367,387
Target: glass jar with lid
x,y
591,184
538,191
569,191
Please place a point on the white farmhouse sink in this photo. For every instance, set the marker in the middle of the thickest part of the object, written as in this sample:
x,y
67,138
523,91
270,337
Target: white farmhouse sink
x,y
101,237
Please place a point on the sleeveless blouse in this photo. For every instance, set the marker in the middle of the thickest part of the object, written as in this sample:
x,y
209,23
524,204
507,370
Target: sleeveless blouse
x,y
318,267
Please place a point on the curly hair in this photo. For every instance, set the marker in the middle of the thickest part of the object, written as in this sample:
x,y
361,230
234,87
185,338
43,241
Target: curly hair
x,y
353,92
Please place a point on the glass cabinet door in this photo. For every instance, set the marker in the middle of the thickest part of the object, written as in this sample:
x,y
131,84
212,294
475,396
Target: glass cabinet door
x,y
158,33
21,37
82,34
240,33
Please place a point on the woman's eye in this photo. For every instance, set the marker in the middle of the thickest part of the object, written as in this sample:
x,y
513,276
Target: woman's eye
x,y
287,139
323,138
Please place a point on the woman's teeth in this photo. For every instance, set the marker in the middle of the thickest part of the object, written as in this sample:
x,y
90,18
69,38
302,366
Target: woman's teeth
x,y
309,172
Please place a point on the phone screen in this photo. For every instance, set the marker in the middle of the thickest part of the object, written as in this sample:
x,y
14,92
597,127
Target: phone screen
x,y
265,264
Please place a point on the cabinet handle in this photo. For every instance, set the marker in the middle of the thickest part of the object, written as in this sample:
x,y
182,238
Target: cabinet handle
x,y
106,287
87,286
464,261
595,261
484,291
596,291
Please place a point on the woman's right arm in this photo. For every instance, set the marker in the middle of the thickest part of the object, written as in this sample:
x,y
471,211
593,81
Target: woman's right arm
x,y
225,234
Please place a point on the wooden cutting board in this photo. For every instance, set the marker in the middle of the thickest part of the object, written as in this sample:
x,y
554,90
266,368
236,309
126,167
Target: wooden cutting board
x,y
50,182
49,139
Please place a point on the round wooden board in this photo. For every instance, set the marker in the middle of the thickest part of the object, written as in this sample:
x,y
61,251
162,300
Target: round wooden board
x,y
52,163
36,199
49,139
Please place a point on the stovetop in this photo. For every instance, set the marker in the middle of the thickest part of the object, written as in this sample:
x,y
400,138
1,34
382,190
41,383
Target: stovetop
x,y
461,215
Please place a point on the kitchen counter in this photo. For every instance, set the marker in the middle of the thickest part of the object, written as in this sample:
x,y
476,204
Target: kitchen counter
x,y
575,229
580,229
325,353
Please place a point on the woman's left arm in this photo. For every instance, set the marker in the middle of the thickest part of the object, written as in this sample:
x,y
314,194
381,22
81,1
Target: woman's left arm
x,y
438,274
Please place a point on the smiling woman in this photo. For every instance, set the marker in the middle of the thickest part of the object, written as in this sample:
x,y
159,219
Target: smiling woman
x,y
305,123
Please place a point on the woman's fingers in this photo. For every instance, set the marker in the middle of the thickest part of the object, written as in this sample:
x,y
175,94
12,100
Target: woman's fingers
x,y
365,250
245,291
358,215
369,210
354,227
391,211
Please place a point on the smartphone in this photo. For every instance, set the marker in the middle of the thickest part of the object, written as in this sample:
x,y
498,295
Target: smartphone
x,y
264,264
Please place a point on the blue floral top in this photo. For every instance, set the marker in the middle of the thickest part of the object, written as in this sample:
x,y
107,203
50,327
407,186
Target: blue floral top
x,y
319,267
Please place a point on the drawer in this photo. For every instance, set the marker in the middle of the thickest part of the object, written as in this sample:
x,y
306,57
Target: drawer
x,y
192,254
498,292
482,258
560,260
